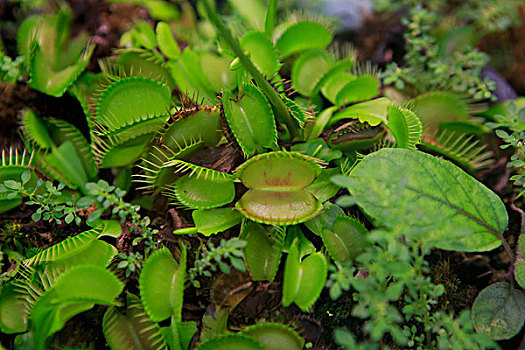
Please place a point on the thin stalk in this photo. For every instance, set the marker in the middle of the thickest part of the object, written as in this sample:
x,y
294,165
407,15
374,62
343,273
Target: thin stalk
x,y
226,35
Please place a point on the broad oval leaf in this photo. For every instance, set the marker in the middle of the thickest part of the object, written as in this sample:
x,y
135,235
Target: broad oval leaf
x,y
200,193
499,311
262,53
279,207
275,336
250,119
399,186
302,36
278,171
161,284
309,69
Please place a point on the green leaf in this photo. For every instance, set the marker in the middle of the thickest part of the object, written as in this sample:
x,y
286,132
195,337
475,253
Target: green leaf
x,y
14,309
519,273
67,161
326,219
303,280
322,188
279,207
303,35
263,250
143,35
406,127
315,129
334,83
43,78
398,186
161,284
201,193
346,240
437,107
278,171
373,112
251,119
359,89
275,336
167,43
499,311
132,331
75,291
83,248
212,221
262,53
317,148
271,14
231,342
217,71
253,12
129,101
309,69
276,181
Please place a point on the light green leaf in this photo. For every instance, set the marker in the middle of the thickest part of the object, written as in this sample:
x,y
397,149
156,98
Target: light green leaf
x,y
251,119
253,12
231,342
262,53
429,194
44,79
303,35
406,127
167,43
303,280
212,221
309,69
359,89
201,193
161,284
373,112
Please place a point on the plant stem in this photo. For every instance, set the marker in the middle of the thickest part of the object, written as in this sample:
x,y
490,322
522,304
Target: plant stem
x,y
226,35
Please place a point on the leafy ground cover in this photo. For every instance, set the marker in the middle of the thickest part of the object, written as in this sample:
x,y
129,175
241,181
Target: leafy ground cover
x,y
233,175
